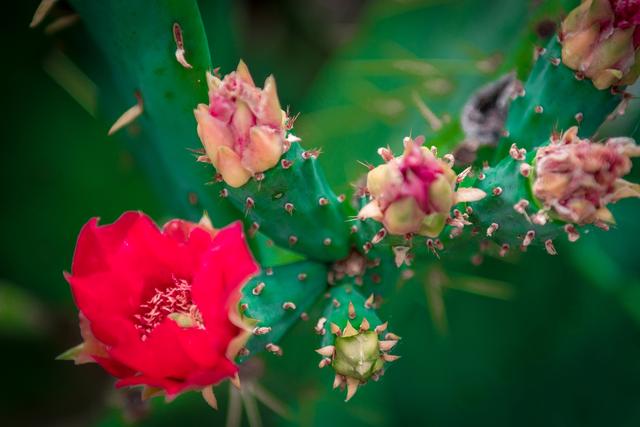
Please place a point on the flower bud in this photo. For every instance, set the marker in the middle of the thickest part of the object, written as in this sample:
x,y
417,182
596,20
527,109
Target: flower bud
x,y
576,178
600,39
242,129
358,356
414,192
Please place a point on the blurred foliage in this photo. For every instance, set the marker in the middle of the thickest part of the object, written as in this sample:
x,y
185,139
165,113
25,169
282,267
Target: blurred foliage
x,y
562,350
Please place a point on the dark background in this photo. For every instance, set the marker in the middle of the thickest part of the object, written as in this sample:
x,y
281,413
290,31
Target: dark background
x,y
563,350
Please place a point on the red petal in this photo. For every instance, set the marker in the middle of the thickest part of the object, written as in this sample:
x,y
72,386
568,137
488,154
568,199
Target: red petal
x,y
96,243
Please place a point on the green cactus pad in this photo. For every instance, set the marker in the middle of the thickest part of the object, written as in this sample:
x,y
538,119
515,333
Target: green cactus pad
x,y
296,207
500,208
337,311
554,100
300,283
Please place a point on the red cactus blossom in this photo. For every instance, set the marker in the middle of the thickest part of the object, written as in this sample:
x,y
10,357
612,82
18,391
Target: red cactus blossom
x,y
158,308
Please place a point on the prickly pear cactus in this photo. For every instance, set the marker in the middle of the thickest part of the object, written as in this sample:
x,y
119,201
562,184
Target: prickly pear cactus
x,y
550,175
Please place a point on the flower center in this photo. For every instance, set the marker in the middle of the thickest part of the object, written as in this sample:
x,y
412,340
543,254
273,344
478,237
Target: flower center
x,y
174,302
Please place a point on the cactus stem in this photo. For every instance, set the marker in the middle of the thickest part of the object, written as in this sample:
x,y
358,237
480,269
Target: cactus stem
x,y
364,325
288,305
351,311
497,191
352,387
180,52
381,328
258,289
492,229
504,249
128,116
548,245
261,330
273,349
572,233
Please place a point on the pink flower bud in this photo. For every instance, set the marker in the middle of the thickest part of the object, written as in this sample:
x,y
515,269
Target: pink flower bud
x,y
577,178
601,39
242,129
414,192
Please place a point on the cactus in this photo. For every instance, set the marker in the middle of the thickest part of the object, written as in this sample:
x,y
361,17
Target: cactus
x,y
276,299
351,339
554,99
548,178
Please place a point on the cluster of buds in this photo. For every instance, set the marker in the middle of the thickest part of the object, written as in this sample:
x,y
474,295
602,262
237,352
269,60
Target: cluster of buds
x,y
575,178
243,128
414,192
601,41
358,355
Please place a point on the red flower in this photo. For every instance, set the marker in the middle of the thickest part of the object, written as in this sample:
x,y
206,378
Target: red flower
x,y
158,308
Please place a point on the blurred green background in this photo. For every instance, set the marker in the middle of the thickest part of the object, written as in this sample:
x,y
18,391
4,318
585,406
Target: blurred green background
x,y
560,347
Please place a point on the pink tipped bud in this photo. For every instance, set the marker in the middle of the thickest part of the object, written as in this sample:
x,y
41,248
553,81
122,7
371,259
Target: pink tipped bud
x,y
244,119
577,178
413,193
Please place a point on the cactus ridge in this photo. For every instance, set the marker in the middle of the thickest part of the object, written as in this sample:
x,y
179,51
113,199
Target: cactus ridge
x,y
554,99
293,204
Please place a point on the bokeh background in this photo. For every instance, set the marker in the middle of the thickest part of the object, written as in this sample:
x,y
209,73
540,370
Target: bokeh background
x,y
538,341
